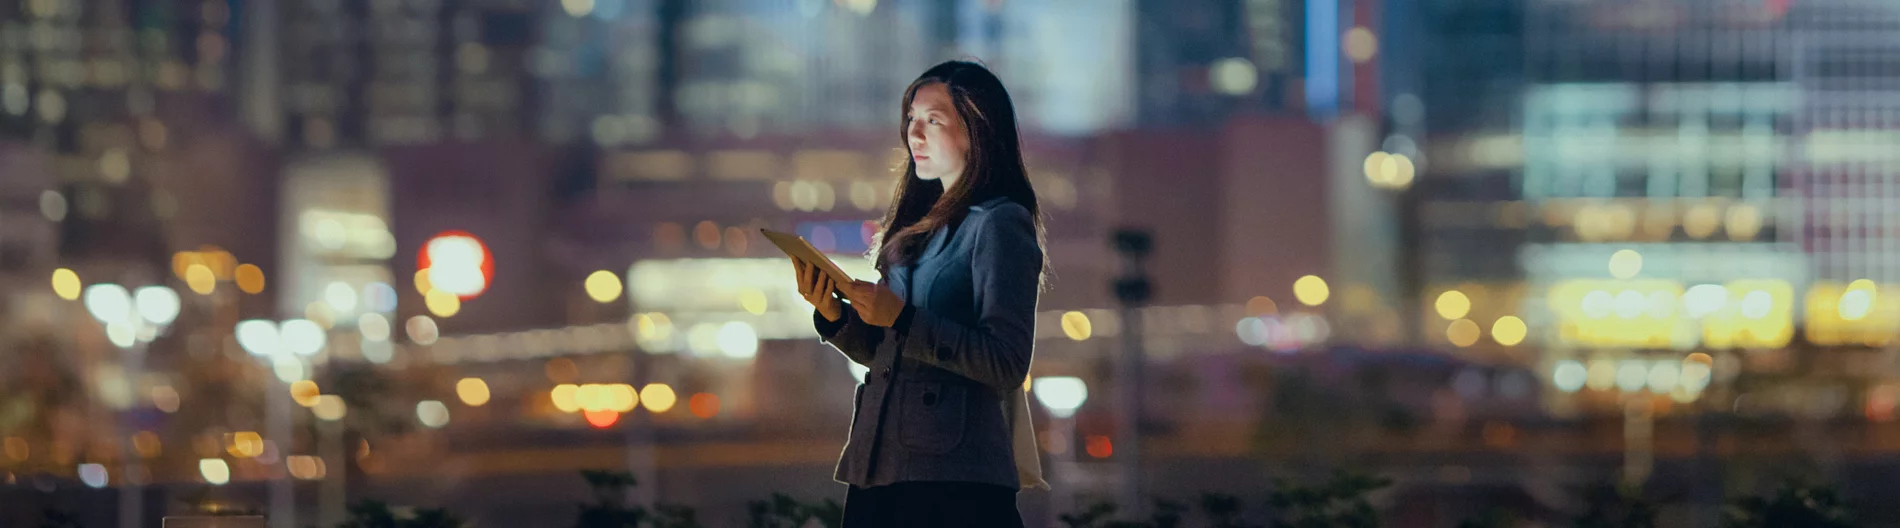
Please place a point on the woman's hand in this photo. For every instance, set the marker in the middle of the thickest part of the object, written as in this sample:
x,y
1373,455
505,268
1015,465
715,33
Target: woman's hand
x,y
875,304
818,289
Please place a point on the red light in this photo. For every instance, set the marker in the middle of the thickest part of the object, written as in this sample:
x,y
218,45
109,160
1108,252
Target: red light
x,y
1100,447
704,405
602,419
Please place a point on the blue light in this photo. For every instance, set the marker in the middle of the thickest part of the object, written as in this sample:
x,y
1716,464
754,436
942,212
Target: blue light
x,y
1322,57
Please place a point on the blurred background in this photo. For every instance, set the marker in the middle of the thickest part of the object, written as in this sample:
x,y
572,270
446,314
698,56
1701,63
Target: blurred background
x,y
287,255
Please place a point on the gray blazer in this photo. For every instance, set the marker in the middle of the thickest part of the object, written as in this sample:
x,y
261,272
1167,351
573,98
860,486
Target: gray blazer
x,y
932,406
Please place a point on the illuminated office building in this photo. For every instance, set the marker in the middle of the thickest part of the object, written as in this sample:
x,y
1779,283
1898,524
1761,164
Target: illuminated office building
x,y
1654,178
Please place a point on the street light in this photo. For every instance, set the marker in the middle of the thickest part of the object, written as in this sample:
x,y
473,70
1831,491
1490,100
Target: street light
x,y
1062,395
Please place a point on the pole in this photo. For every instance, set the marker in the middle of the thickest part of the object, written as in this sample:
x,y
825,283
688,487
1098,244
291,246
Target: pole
x,y
1132,290
330,496
1062,500
131,489
283,498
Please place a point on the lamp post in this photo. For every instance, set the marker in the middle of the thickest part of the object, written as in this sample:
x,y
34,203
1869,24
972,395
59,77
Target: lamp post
x,y
132,319
1062,395
1133,290
284,345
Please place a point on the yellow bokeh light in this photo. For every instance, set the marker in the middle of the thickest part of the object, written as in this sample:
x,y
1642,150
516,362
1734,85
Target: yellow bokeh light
x,y
423,286
603,286
472,391
753,301
305,392
200,279
621,398
1744,222
1311,290
66,284
564,397
657,397
1701,220
1626,263
305,467
330,407
442,304
250,279
1452,304
1076,325
1462,333
245,444
1508,330
1373,168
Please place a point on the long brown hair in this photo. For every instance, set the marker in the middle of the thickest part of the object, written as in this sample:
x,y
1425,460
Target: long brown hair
x,y
993,167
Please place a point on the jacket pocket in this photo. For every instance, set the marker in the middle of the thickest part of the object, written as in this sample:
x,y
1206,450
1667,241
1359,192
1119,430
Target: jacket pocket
x,y
934,417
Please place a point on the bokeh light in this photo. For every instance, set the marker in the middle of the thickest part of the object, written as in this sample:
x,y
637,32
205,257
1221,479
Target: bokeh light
x,y
93,475
657,397
1508,330
305,393
1569,375
1311,290
442,303
330,407
1626,263
703,405
1462,333
1076,326
66,284
200,279
421,330
215,471
565,397
433,414
472,391
1452,304
603,286
249,278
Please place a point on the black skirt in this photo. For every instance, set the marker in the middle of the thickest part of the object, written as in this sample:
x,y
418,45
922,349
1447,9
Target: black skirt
x,y
931,504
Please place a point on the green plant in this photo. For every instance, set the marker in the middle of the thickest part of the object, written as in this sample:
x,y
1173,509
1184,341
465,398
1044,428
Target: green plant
x,y
783,511
1795,504
1341,502
376,514
1222,511
1618,507
610,510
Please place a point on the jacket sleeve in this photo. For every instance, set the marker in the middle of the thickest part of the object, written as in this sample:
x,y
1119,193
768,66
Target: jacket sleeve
x,y
850,335
1006,266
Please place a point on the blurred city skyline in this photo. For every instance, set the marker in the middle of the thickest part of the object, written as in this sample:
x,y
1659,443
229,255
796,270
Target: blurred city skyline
x,y
505,237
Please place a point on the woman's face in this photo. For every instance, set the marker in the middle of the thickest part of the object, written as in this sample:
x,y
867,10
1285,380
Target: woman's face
x,y
938,143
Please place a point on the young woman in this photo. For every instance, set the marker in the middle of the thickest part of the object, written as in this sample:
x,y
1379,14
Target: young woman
x,y
940,435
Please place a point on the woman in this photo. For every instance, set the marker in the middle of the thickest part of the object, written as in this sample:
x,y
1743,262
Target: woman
x,y
940,435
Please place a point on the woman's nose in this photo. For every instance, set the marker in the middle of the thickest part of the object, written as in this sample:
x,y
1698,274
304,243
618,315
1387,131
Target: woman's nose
x,y
915,132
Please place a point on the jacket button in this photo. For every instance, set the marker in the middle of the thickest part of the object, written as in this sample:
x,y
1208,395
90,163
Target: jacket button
x,y
886,373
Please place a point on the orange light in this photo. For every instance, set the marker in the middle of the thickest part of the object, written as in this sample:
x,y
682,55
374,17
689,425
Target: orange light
x,y
1100,447
603,418
703,405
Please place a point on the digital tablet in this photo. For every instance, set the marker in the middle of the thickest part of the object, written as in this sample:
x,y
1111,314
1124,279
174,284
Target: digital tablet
x,y
797,246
